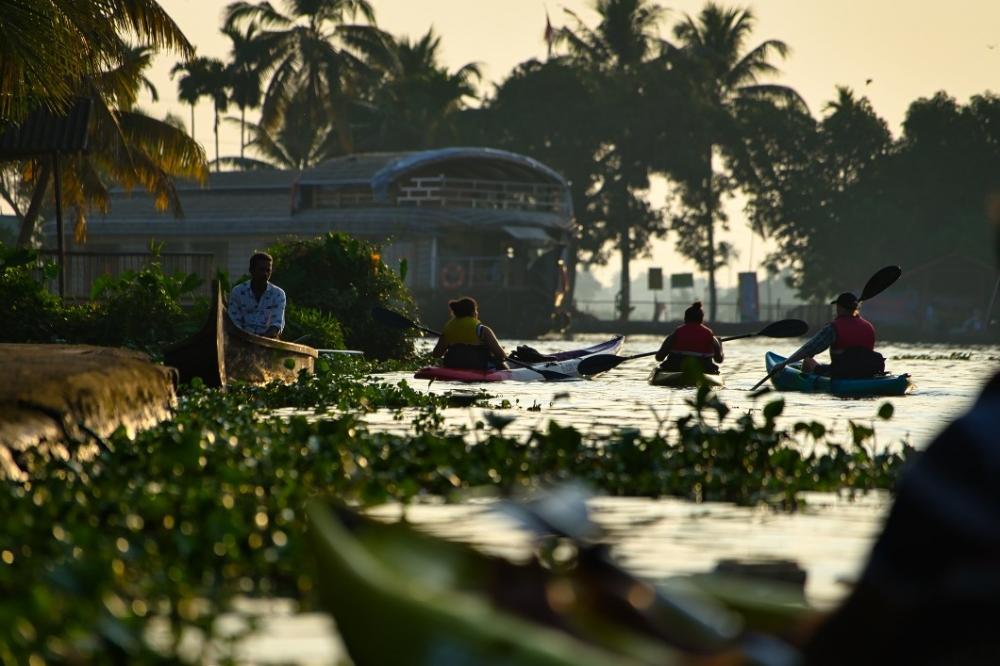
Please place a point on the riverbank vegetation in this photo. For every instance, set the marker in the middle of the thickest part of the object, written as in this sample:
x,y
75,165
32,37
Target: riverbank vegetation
x,y
332,282
171,526
627,94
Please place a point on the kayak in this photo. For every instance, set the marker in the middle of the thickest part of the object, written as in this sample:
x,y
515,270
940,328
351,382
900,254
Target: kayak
x,y
793,379
561,365
402,597
677,379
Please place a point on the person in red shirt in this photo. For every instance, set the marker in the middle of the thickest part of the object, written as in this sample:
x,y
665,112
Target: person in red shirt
x,y
692,340
851,341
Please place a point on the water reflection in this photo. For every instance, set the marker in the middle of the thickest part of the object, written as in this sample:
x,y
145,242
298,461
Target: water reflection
x,y
829,537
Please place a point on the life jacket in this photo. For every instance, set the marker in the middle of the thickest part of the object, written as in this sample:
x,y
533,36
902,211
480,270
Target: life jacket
x,y
464,348
462,331
693,340
852,332
853,354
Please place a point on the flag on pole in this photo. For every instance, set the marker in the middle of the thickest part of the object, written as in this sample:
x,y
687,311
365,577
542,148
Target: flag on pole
x,y
550,33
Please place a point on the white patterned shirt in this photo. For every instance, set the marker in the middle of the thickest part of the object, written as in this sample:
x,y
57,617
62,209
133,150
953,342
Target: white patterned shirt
x,y
257,316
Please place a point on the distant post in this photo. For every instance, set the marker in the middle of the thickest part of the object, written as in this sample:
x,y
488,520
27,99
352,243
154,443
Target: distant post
x,y
654,282
749,297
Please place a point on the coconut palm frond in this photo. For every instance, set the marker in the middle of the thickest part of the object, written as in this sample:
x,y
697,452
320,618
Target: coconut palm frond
x,y
262,14
174,150
756,63
783,95
147,21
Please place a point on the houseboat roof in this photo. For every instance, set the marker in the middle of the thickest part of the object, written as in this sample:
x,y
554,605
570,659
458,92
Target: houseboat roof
x,y
382,169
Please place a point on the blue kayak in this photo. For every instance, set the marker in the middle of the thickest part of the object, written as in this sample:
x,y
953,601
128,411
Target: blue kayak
x,y
793,379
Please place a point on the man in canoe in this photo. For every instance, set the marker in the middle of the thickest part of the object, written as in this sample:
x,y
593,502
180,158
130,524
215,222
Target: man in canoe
x,y
851,341
258,306
692,340
466,342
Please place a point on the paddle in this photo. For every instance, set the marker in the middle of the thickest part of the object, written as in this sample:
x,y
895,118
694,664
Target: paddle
x,y
786,328
393,319
882,280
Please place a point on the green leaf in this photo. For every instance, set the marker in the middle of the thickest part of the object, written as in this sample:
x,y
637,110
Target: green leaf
x,y
886,411
774,409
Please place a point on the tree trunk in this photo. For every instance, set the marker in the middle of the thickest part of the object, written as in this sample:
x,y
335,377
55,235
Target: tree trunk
x,y
710,234
216,141
626,281
192,121
27,230
243,121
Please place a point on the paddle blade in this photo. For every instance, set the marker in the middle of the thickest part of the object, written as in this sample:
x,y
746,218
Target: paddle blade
x,y
786,328
879,282
594,365
387,317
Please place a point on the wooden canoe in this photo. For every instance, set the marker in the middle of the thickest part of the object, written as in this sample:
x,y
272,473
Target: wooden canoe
x,y
221,352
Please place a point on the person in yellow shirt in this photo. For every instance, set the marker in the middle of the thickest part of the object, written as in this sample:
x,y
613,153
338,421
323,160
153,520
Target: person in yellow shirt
x,y
466,342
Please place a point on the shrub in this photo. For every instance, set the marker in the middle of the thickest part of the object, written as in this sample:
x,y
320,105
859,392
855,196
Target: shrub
x,y
312,327
140,309
344,276
29,312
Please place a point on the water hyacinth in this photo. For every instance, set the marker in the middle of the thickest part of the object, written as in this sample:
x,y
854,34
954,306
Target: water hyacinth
x,y
209,506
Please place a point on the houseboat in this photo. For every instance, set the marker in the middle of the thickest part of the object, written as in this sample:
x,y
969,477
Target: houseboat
x,y
480,222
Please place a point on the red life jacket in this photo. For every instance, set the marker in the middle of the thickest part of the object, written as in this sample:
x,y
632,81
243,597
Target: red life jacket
x,y
853,331
693,339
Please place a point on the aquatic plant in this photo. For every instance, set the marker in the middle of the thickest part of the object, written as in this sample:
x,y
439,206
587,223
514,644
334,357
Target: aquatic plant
x,y
177,522
345,276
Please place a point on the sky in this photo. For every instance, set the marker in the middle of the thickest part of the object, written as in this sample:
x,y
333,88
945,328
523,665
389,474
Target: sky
x,y
890,51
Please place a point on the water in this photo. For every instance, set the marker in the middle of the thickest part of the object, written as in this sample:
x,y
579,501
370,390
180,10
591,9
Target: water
x,y
830,537
622,398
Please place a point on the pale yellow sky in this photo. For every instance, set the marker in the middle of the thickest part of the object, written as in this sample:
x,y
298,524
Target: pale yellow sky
x,y
908,49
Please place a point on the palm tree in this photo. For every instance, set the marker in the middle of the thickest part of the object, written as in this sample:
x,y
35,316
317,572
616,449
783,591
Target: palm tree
x,y
317,56
79,38
419,99
287,146
246,70
193,85
618,52
204,77
724,76
126,146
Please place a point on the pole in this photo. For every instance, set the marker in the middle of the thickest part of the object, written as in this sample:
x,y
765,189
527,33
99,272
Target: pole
x,y
993,300
61,245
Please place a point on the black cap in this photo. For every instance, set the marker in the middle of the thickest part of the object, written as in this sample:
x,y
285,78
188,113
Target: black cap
x,y
846,300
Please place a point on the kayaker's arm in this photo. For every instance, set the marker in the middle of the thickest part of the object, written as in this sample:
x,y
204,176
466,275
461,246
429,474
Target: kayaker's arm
x,y
720,356
665,347
490,340
819,343
439,348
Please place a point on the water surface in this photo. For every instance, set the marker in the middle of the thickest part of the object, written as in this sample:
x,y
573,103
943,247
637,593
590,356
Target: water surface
x,y
659,538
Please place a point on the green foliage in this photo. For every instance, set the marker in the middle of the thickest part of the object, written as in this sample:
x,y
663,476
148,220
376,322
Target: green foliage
x,y
312,327
813,184
183,518
140,308
135,309
30,313
345,277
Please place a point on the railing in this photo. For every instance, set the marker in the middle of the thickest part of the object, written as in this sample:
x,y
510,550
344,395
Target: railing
x,y
463,272
343,198
83,268
443,191
645,310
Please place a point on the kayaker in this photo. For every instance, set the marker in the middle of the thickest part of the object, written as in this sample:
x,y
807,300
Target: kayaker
x,y
468,343
851,341
258,306
691,340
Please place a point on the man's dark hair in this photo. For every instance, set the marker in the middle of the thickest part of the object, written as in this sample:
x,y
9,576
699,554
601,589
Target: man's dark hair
x,y
260,256
694,314
463,307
